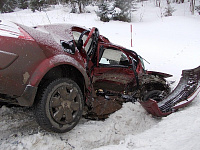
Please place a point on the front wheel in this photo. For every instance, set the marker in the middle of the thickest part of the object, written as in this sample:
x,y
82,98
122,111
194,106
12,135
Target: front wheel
x,y
156,95
60,106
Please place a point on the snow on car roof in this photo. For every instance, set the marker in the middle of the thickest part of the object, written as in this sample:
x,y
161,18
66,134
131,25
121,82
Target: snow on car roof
x,y
9,29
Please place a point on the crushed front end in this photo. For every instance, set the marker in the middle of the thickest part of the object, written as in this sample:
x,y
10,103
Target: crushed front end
x,y
185,92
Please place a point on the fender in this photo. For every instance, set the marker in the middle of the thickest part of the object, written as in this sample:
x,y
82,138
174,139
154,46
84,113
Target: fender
x,y
52,62
28,96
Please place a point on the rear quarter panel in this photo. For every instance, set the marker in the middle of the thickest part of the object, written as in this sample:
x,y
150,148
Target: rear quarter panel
x,y
24,56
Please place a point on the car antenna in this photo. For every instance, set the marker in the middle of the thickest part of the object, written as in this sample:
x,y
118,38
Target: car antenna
x,y
47,17
145,60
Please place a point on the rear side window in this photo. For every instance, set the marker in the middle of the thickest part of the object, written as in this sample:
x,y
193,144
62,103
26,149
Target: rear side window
x,y
76,36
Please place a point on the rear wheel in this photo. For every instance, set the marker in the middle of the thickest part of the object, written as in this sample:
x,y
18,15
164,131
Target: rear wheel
x,y
60,105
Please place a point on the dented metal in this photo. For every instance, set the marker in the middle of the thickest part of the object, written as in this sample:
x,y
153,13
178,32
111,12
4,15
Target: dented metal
x,y
185,92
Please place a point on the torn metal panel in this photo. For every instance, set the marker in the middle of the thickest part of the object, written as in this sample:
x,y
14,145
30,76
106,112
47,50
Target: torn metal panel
x,y
102,107
181,96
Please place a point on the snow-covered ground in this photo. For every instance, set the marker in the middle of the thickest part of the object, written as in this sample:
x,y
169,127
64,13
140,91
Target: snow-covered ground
x,y
170,44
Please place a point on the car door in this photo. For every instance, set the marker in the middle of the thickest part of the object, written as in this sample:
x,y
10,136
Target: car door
x,y
114,70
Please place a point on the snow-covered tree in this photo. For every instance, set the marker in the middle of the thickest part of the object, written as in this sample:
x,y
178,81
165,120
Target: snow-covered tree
x,y
78,6
51,2
22,4
104,12
37,4
168,10
116,10
7,5
123,10
197,8
179,1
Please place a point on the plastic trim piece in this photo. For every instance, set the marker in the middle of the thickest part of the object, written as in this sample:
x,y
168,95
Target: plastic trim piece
x,y
28,97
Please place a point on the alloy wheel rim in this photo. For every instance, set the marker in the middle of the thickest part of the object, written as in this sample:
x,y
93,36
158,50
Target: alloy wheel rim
x,y
65,104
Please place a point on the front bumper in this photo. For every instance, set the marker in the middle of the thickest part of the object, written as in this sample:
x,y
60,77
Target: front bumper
x,y
185,92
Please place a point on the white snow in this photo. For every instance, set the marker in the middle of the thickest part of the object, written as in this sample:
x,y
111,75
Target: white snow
x,y
9,29
170,44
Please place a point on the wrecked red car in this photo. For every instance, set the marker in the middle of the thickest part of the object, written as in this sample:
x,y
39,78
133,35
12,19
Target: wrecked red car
x,y
66,72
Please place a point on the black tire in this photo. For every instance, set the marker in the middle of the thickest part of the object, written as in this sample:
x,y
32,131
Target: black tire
x,y
156,95
60,106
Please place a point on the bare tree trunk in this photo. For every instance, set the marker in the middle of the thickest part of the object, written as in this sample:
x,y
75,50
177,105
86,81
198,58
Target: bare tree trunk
x,y
192,5
80,7
157,3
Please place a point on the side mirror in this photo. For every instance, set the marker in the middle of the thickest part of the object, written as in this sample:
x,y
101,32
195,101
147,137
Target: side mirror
x,y
68,46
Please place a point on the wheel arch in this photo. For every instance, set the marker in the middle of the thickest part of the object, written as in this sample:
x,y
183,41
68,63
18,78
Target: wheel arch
x,y
62,71
55,62
153,82
51,69
155,86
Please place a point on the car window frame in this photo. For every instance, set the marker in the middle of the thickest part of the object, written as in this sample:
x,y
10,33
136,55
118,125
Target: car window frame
x,y
101,47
